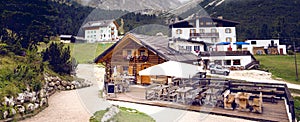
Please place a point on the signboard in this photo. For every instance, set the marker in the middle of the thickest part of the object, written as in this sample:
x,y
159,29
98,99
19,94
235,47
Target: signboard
x,y
110,88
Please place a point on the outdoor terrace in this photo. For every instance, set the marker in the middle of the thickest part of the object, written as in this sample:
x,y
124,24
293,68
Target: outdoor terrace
x,y
272,107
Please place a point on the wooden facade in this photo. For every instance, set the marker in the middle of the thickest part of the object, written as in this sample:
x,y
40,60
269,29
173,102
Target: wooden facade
x,y
129,57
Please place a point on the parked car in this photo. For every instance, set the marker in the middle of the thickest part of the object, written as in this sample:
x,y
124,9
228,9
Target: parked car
x,y
218,69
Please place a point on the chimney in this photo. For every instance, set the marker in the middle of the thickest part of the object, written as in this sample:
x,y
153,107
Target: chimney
x,y
220,17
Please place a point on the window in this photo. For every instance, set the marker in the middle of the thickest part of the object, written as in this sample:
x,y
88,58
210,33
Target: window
x,y
227,30
213,39
178,31
253,42
228,39
201,23
227,62
129,52
193,30
101,31
189,48
237,62
218,62
208,23
213,30
142,52
196,48
202,31
94,31
125,69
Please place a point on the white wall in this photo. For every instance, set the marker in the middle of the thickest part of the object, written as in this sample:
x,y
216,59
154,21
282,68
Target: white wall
x,y
220,30
244,59
97,35
176,45
265,44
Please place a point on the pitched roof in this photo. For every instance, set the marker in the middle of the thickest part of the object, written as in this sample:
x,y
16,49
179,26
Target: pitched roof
x,y
185,23
101,23
157,44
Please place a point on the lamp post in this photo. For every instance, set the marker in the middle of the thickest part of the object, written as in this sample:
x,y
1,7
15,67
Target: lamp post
x,y
297,78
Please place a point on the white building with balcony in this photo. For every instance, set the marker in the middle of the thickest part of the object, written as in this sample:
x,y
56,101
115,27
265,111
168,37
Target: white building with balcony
x,y
263,46
104,30
205,30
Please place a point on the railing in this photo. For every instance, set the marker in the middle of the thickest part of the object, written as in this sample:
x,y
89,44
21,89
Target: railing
x,y
204,34
138,58
226,53
252,64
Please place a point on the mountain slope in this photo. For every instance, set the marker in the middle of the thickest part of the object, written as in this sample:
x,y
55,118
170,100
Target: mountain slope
x,y
132,5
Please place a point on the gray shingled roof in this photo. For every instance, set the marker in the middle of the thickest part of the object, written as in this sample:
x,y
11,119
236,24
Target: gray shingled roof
x,y
159,44
101,23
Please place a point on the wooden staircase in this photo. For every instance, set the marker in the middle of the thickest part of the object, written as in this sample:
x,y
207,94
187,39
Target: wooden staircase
x,y
252,65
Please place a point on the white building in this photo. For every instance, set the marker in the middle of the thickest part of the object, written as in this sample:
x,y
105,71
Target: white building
x,y
265,44
104,30
207,30
65,38
231,59
182,45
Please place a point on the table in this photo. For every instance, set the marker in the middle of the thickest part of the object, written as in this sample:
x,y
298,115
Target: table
x,y
159,90
182,93
243,99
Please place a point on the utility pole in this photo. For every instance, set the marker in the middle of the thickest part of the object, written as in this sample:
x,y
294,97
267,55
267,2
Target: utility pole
x,y
297,78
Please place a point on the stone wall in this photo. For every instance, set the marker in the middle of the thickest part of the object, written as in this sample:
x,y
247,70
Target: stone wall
x,y
28,102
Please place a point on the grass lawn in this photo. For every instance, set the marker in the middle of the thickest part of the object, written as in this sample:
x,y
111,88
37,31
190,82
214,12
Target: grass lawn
x,y
87,52
297,107
124,116
82,52
281,66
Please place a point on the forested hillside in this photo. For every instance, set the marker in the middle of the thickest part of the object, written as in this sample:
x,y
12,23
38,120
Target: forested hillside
x,y
41,17
25,24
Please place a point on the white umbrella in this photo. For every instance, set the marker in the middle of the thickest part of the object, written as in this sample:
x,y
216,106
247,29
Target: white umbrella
x,y
172,68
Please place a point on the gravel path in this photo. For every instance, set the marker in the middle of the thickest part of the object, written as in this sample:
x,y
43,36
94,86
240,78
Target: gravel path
x,y
64,106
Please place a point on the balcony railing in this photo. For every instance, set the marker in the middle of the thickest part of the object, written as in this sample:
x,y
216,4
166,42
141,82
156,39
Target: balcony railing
x,y
136,58
204,34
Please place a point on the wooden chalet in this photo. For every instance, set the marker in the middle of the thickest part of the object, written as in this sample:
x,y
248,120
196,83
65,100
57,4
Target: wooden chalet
x,y
135,52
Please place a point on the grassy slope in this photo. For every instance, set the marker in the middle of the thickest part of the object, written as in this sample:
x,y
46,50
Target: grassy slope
x,y
124,116
280,66
297,107
87,52
83,52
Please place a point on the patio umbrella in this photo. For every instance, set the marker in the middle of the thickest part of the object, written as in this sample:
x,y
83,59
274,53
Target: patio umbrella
x,y
241,43
223,43
172,68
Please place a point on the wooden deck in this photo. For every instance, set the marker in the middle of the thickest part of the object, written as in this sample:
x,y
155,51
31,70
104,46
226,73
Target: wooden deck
x,y
271,111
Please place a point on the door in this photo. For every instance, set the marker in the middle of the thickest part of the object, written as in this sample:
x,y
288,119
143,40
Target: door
x,y
145,79
281,51
130,70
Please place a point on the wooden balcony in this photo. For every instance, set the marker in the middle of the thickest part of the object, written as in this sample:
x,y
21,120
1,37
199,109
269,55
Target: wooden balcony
x,y
137,59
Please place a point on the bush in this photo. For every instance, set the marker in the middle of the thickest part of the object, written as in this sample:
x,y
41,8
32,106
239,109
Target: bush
x,y
290,52
59,58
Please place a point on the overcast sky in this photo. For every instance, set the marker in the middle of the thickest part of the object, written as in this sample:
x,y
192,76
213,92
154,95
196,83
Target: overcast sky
x,y
184,0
